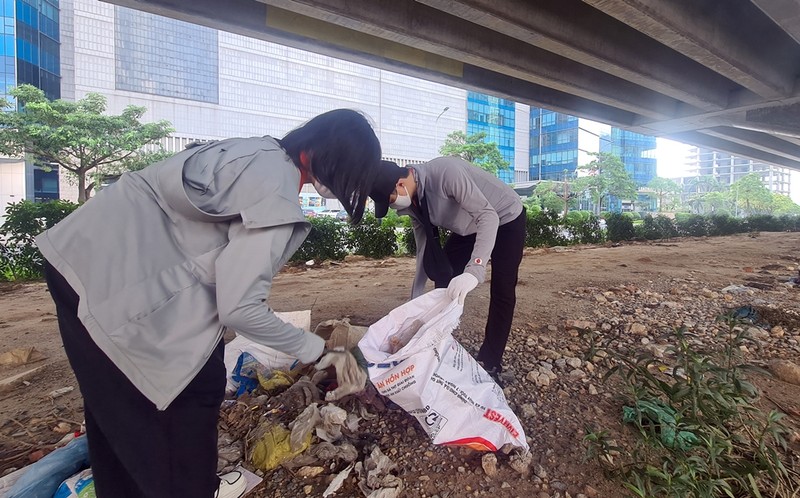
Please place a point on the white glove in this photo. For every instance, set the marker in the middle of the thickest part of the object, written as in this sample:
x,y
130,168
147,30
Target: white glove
x,y
460,286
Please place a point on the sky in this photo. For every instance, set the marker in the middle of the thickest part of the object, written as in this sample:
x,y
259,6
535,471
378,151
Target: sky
x,y
671,161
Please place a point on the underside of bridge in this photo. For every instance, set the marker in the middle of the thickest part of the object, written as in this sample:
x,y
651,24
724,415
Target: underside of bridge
x,y
715,73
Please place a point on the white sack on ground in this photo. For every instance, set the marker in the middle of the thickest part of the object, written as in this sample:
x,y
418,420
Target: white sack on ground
x,y
433,378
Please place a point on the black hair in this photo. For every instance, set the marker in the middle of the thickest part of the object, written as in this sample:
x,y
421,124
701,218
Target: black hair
x,y
344,153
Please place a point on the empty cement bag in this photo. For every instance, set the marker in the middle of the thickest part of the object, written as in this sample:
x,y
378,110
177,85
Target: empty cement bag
x,y
414,360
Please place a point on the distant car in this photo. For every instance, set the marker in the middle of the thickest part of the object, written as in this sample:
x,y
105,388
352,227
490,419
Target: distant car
x,y
339,214
312,212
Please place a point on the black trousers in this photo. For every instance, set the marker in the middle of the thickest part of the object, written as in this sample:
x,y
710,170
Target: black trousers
x,y
137,451
506,258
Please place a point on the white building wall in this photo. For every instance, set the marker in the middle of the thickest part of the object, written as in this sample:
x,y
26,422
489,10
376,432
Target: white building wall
x,y
12,183
522,142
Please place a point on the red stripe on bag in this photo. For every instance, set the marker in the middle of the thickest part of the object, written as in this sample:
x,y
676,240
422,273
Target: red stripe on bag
x,y
476,443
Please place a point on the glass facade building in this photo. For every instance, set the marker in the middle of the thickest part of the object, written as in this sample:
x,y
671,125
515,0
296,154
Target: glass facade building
x,y
638,154
29,53
37,44
553,144
495,117
161,56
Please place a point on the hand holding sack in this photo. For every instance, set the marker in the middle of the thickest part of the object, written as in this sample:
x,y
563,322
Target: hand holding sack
x,y
460,286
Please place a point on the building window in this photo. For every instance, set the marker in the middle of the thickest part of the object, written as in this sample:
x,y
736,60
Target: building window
x,y
45,184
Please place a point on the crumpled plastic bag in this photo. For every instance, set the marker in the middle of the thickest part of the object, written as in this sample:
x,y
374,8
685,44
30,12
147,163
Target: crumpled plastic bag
x,y
375,478
663,418
245,373
271,446
81,485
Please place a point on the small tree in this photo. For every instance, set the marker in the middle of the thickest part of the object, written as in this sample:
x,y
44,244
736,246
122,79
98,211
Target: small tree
x,y
474,148
605,176
77,136
751,192
663,188
782,205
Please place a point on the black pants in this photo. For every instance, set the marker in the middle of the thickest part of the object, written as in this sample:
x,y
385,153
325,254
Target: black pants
x,y
137,451
506,258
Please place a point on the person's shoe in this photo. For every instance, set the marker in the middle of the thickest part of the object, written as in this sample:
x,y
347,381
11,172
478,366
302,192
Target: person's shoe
x,y
495,373
231,485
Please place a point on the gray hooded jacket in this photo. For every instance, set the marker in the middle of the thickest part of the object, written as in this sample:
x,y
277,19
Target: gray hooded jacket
x,y
465,200
168,256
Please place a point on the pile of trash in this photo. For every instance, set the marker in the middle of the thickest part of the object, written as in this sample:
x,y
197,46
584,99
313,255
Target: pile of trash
x,y
297,418
306,419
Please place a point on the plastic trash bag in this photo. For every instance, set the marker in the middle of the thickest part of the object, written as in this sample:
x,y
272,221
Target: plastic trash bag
x,y
43,478
414,360
81,485
663,418
271,446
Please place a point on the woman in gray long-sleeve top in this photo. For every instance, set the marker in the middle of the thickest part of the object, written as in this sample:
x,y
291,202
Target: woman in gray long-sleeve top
x,y
148,273
486,219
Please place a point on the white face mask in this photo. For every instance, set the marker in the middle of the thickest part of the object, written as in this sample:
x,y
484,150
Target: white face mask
x,y
402,201
323,190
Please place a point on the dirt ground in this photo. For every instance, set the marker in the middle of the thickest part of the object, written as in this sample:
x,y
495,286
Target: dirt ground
x,y
659,284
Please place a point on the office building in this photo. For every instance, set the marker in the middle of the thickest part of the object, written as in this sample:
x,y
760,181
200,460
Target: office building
x,y
30,54
727,169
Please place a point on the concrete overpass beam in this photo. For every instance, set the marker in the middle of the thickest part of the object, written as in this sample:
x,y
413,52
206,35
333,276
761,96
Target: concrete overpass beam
x,y
784,120
784,13
581,33
768,143
410,23
727,36
701,139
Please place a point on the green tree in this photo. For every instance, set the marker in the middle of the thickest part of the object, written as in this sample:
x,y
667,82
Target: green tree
x,y
605,176
783,205
663,189
77,136
715,202
751,194
475,149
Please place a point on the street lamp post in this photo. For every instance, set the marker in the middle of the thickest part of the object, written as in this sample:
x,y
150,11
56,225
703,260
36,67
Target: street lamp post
x,y
436,130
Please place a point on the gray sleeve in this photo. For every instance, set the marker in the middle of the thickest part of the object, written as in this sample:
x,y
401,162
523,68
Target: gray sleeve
x,y
420,278
458,185
244,270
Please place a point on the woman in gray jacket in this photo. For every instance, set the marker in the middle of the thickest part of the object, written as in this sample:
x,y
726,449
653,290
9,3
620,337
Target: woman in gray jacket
x,y
486,219
148,273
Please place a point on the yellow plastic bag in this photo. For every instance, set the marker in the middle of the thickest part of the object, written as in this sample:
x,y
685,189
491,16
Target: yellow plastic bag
x,y
275,379
272,447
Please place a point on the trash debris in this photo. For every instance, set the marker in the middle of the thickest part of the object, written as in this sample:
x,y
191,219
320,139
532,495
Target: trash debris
x,y
662,417
81,485
245,373
274,380
350,376
310,471
60,392
20,356
270,358
375,477
736,289
271,446
340,334
44,477
337,482
303,426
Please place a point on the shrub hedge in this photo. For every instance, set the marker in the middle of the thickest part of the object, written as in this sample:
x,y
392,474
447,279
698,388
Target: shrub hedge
x,y
330,239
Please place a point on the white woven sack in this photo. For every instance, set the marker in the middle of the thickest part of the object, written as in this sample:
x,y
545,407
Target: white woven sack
x,y
434,379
